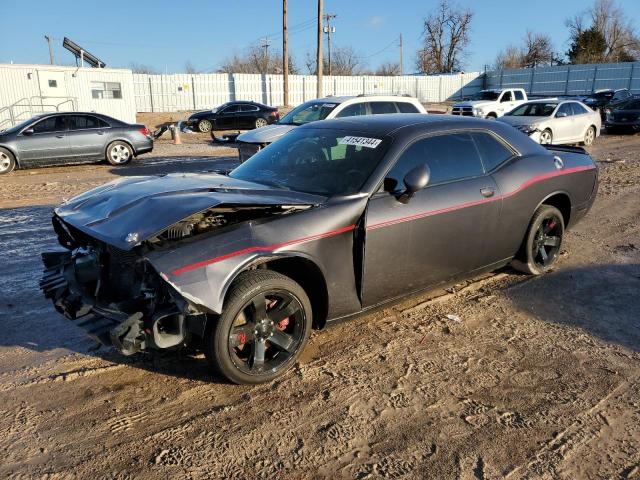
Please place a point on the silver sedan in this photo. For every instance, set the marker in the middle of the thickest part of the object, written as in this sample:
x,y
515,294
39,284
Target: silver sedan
x,y
556,122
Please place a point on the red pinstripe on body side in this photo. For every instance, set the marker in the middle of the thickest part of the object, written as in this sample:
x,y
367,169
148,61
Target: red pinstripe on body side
x,y
269,248
265,248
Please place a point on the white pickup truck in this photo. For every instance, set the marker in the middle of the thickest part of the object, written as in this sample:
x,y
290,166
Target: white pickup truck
x,y
491,103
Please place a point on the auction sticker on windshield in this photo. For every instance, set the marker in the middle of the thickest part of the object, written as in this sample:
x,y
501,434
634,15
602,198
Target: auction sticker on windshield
x,y
361,141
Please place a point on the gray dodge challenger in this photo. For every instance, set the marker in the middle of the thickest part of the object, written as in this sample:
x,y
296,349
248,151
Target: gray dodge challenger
x,y
336,218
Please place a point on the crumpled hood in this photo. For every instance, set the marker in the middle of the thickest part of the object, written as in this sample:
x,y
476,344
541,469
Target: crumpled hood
x,y
146,206
267,134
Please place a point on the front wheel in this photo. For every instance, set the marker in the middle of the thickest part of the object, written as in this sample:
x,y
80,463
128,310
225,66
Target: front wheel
x,y
119,153
265,324
546,137
542,243
204,126
589,137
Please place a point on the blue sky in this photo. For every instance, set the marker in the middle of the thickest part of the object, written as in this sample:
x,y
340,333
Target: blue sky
x,y
166,34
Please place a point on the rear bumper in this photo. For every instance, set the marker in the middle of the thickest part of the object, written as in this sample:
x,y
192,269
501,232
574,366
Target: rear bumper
x,y
143,146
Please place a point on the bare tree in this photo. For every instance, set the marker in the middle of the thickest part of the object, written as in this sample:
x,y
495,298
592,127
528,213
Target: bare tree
x,y
511,57
255,60
344,61
536,50
606,19
446,37
189,68
388,69
141,68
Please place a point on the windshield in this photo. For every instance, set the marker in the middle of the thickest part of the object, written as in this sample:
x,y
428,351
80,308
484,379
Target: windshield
x,y
486,95
308,112
318,161
533,110
19,127
635,105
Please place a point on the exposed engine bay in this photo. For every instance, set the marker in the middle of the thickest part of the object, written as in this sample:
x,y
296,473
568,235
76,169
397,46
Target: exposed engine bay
x,y
118,297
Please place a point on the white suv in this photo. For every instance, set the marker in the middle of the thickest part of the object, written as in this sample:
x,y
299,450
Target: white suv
x,y
323,109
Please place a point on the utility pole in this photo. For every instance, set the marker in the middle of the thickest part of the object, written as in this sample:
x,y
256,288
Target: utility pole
x,y
329,30
265,44
319,60
49,41
285,55
401,57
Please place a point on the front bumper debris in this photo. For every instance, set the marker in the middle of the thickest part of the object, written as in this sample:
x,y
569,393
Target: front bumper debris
x,y
105,325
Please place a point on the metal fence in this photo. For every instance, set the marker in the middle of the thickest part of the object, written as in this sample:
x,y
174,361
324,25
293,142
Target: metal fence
x,y
169,93
568,79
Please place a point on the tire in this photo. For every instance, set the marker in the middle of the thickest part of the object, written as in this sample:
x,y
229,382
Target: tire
x,y
491,116
119,153
545,233
204,126
238,338
261,122
546,137
7,161
589,136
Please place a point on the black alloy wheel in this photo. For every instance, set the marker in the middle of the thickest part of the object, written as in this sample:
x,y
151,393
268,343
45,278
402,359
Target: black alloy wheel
x,y
264,326
542,244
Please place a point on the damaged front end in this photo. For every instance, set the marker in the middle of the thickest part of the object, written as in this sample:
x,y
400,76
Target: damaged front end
x,y
116,296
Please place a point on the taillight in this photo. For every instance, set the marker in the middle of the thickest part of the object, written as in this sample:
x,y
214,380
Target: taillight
x,y
274,114
145,131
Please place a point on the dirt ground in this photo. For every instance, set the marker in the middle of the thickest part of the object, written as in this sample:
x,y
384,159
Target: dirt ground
x,y
540,378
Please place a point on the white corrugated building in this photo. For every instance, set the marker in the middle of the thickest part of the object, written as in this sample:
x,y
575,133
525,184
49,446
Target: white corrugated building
x,y
26,90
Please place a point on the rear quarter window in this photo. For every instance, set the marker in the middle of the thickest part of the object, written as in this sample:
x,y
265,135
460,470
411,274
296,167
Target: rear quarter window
x,y
492,151
382,107
405,107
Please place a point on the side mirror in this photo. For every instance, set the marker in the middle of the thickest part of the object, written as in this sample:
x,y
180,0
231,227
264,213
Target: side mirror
x,y
28,131
561,115
415,180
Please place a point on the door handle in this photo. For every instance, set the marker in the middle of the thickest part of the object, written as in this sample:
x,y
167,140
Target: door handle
x,y
487,192
100,133
59,136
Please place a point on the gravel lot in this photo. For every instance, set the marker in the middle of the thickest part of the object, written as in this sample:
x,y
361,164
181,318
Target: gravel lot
x,y
539,379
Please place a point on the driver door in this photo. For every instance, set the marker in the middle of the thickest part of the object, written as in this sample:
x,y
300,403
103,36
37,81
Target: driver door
x,y
440,233
227,119
506,102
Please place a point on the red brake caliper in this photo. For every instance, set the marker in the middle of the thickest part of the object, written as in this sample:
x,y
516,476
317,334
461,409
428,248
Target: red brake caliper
x,y
242,338
284,323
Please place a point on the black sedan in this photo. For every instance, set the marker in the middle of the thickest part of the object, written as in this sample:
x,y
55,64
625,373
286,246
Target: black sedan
x,y
234,116
625,117
70,138
334,219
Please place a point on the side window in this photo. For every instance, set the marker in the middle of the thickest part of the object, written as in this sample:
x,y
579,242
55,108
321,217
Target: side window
x,y
492,151
82,122
405,107
231,109
578,109
51,124
565,108
506,97
449,157
352,110
382,107
518,94
248,108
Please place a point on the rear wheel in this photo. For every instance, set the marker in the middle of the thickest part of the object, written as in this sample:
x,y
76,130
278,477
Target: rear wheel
x,y
7,161
589,136
546,137
204,126
265,324
261,122
119,153
491,116
542,243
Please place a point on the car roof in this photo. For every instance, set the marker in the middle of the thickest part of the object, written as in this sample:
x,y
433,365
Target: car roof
x,y
390,122
364,98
